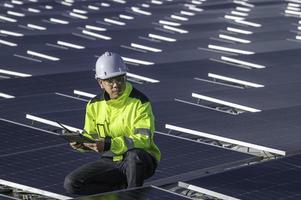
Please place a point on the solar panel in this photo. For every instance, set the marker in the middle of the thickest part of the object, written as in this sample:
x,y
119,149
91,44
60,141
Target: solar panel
x,y
277,179
45,155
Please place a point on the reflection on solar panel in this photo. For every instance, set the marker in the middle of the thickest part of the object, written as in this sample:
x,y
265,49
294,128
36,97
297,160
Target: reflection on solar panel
x,y
277,179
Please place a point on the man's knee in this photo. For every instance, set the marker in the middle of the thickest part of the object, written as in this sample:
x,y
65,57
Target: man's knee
x,y
71,185
135,155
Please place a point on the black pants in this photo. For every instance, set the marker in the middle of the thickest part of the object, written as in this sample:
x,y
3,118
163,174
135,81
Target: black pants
x,y
106,175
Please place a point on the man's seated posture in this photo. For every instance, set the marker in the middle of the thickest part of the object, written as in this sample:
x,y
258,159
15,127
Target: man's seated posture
x,y
122,124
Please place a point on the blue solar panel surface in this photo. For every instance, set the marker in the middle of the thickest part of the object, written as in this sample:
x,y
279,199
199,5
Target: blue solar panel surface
x,y
277,179
45,154
176,67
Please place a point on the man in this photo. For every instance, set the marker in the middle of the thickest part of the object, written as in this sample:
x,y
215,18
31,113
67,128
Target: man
x,y
122,124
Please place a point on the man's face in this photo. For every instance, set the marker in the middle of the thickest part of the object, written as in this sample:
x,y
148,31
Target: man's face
x,y
114,86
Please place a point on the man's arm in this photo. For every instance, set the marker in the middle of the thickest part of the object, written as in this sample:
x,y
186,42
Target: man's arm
x,y
141,133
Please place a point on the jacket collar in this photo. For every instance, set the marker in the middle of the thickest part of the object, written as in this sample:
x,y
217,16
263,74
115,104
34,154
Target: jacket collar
x,y
120,101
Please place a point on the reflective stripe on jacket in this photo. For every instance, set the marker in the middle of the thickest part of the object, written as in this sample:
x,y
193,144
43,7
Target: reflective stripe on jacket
x,y
126,122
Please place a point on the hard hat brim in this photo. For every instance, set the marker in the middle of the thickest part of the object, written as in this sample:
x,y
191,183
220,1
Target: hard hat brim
x,y
111,75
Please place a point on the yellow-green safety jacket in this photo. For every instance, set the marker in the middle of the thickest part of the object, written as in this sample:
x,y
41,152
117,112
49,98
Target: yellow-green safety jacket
x,y
126,123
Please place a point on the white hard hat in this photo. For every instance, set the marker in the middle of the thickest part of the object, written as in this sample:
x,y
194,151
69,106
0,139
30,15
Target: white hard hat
x,y
109,65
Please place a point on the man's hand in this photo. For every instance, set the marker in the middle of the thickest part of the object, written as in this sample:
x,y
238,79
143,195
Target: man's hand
x,y
76,145
98,146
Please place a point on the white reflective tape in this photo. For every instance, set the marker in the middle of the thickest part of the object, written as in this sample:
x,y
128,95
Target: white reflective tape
x,y
59,21
8,19
298,37
248,23
6,96
7,72
169,23
239,13
79,11
292,12
36,27
196,2
126,17
294,1
244,3
243,9
66,3
159,37
179,17
195,9
183,12
17,2
138,10
8,5
236,30
51,123
15,13
233,17
143,78
95,28
33,10
33,53
85,94
93,7
234,39
144,5
48,7
96,35
78,15
175,29
11,33
226,103
293,8
8,43
120,1
230,49
242,62
112,21
156,2
132,60
294,5
67,44
233,80
105,4
145,47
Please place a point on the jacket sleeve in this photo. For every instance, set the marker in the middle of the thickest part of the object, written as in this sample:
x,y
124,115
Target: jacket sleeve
x,y
90,126
141,134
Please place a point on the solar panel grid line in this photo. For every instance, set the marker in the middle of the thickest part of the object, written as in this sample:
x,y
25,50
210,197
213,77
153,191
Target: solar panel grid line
x,y
27,126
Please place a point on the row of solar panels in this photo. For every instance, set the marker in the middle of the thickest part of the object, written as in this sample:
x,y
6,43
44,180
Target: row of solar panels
x,y
187,58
